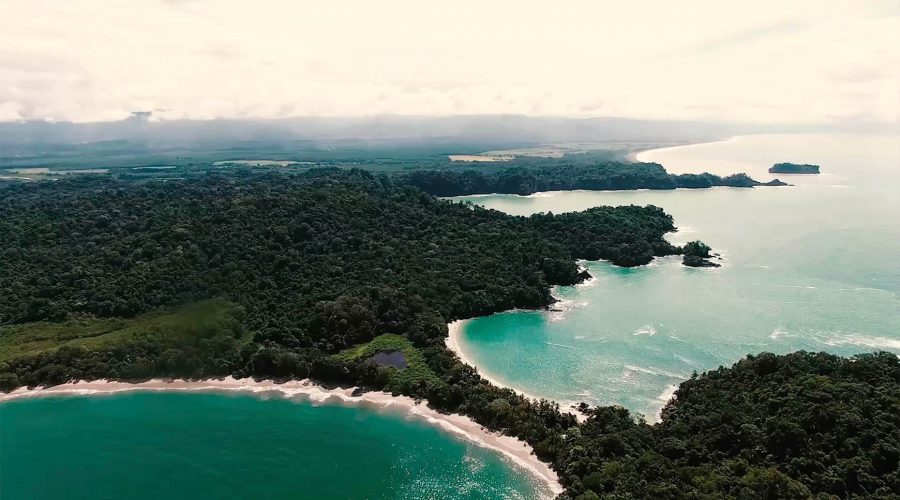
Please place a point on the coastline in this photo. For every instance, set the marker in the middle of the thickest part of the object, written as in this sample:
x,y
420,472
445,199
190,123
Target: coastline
x,y
454,344
636,156
513,449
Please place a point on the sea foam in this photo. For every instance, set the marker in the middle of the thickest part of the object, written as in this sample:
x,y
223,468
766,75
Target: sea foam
x,y
842,339
652,371
778,333
647,330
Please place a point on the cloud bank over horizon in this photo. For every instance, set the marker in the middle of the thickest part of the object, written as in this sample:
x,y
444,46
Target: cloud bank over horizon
x,y
766,62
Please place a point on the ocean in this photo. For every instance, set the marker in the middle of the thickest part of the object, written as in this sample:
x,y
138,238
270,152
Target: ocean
x,y
815,267
150,445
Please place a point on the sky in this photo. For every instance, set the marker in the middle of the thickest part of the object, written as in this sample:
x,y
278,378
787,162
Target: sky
x,y
778,62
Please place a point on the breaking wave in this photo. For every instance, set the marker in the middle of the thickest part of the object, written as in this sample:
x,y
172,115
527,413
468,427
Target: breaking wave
x,y
647,330
651,371
778,333
843,339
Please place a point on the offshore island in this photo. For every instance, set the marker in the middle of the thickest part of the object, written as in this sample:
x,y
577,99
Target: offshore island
x,y
793,168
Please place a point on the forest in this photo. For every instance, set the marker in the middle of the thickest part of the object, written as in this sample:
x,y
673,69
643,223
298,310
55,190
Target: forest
x,y
309,275
428,169
318,262
802,425
566,174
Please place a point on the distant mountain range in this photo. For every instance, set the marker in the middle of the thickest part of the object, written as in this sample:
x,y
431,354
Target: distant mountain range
x,y
39,142
496,129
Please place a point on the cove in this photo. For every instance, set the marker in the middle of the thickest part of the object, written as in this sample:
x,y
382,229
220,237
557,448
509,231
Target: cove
x,y
190,445
815,266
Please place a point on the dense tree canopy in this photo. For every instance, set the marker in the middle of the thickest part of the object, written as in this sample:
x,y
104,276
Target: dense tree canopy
x,y
802,425
697,254
569,173
319,261
311,275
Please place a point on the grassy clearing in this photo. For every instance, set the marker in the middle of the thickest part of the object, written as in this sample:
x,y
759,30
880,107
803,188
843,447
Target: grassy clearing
x,y
416,374
189,323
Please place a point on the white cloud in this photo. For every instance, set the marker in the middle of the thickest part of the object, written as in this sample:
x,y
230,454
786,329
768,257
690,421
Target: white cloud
x,y
783,62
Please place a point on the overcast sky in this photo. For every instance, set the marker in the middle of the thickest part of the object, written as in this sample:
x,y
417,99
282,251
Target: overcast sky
x,y
761,62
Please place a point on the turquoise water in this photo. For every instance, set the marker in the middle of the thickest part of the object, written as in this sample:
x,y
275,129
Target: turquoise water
x,y
181,445
815,266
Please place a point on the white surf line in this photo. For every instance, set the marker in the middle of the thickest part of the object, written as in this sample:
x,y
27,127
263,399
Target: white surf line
x,y
513,449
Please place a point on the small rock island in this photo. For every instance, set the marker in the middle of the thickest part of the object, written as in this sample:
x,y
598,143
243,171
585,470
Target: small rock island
x,y
793,168
697,254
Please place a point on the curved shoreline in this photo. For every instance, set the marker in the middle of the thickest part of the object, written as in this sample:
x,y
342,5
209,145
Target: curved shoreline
x,y
454,343
514,450
639,154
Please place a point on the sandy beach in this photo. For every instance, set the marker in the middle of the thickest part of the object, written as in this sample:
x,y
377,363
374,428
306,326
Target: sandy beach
x,y
515,450
454,343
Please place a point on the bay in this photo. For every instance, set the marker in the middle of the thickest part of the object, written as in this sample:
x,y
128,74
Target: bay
x,y
815,266
146,445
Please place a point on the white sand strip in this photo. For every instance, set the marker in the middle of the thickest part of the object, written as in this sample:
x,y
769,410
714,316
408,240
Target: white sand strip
x,y
454,343
513,449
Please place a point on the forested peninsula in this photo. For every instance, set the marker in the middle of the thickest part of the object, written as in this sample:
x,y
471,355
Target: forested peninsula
x,y
431,171
312,275
572,172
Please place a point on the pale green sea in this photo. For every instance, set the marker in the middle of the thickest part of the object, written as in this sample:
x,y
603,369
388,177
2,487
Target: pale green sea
x,y
214,446
815,267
